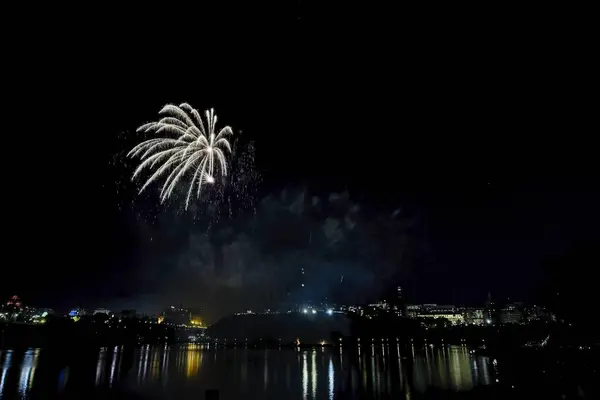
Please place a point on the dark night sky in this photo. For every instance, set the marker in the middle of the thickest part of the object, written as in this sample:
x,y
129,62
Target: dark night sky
x,y
481,132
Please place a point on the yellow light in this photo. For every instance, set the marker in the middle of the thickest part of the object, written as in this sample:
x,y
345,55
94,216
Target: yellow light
x,y
193,363
161,319
196,322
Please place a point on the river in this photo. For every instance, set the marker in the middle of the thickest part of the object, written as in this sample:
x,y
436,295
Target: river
x,y
187,371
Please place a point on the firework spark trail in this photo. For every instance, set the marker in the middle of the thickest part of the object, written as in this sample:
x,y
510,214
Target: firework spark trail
x,y
191,150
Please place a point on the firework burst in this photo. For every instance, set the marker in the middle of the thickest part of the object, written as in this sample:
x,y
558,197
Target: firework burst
x,y
189,149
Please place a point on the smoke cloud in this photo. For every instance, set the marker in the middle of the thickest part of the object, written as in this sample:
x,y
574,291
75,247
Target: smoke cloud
x,y
291,249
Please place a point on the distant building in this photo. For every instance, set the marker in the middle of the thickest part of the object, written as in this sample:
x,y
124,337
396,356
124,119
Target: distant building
x,y
444,308
177,316
102,311
382,305
453,318
128,313
347,309
46,311
512,313
412,310
196,321
537,313
401,303
77,312
435,311
490,311
474,316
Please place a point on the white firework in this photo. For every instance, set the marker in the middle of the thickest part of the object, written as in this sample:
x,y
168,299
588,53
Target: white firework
x,y
189,148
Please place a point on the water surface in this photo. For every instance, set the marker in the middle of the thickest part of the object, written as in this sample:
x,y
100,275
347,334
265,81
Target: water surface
x,y
187,371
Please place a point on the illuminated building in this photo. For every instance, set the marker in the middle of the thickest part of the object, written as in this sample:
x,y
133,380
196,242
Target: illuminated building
x,y
473,316
538,313
77,312
102,311
382,305
400,303
177,316
434,311
512,313
440,309
412,310
454,318
490,311
38,316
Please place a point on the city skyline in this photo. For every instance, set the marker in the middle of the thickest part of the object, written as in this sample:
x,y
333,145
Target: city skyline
x,y
396,305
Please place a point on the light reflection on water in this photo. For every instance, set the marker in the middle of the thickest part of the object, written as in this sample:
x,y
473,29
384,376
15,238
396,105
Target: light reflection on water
x,y
186,370
28,366
7,361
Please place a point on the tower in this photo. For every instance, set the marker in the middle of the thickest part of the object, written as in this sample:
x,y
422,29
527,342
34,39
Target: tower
x,y
489,317
401,302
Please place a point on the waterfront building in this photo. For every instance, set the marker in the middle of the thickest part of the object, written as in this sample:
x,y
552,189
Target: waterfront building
x,y
453,318
474,316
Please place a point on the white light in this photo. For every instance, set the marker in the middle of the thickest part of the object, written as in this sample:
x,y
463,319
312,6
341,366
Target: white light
x,y
197,148
305,311
314,311
210,179
330,312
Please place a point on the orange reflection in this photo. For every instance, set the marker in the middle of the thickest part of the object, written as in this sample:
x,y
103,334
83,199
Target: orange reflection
x,y
192,362
448,368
